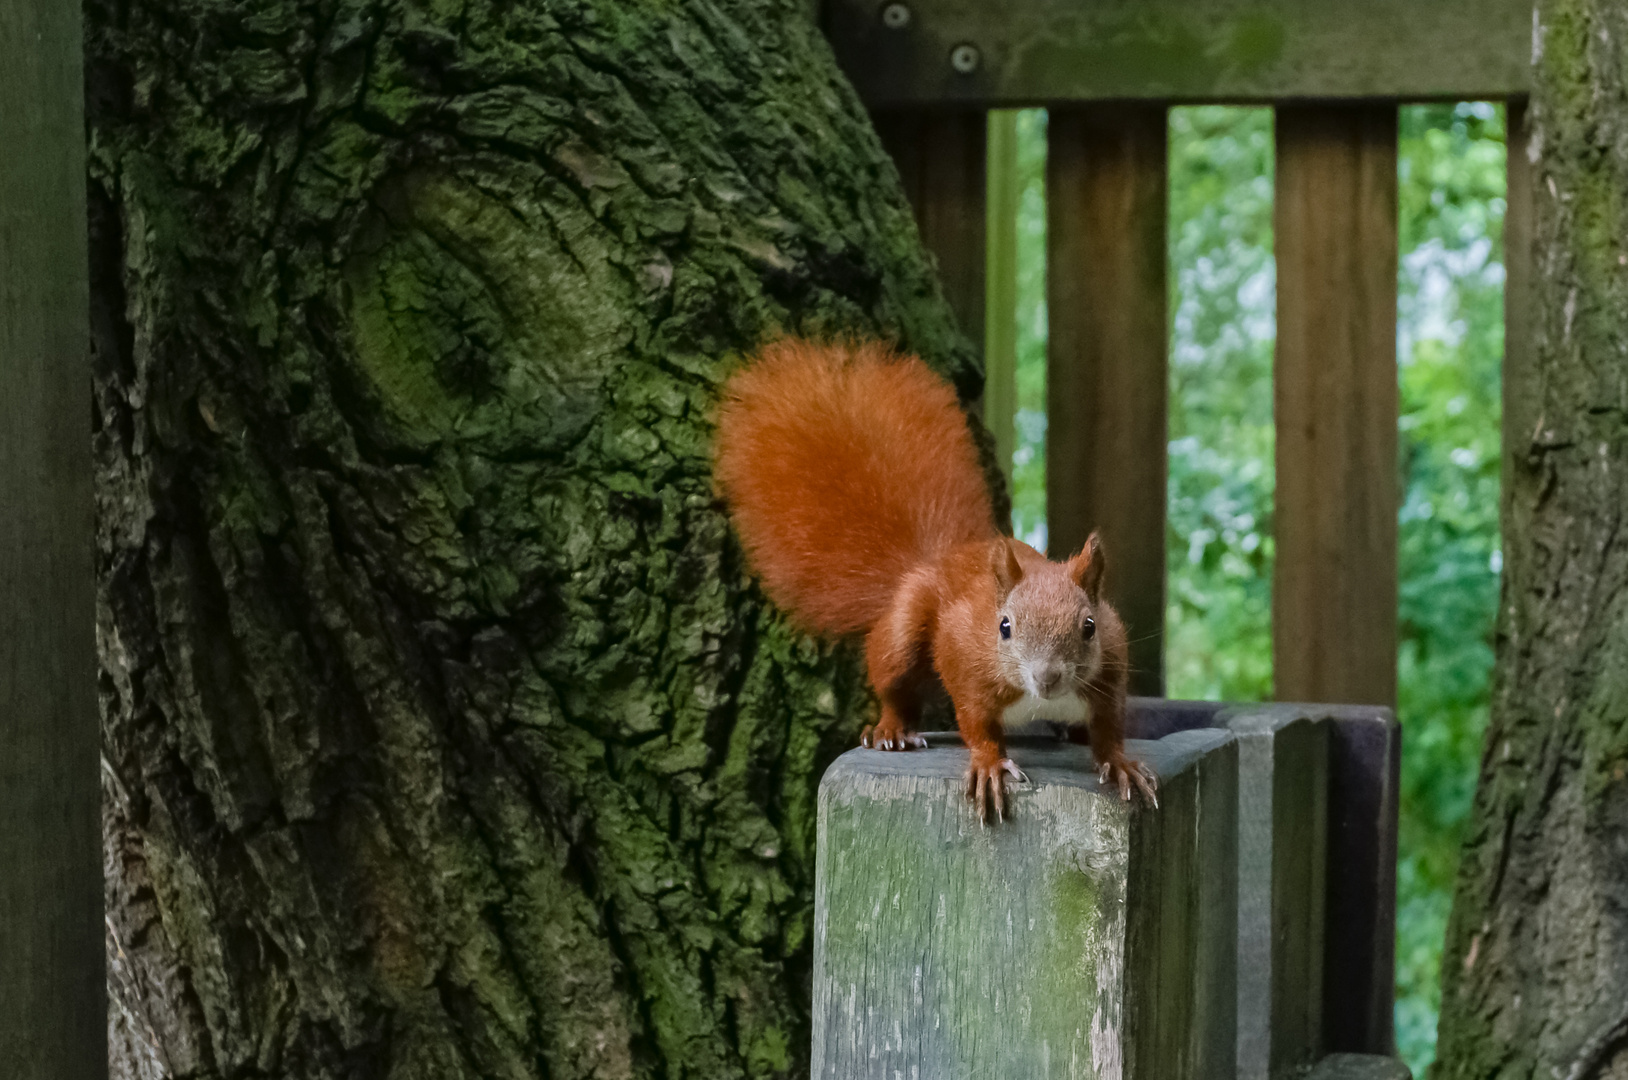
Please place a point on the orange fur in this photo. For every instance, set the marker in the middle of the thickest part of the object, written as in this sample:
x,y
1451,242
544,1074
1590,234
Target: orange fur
x,y
857,493
845,466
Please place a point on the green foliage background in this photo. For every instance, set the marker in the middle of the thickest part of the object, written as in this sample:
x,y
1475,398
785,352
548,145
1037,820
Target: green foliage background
x,y
1449,347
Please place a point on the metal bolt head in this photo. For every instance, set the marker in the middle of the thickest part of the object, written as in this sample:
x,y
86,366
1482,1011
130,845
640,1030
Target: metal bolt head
x,y
964,58
896,16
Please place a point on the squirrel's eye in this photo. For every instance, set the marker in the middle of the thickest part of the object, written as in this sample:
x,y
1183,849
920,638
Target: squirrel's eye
x,y
1006,627
1089,630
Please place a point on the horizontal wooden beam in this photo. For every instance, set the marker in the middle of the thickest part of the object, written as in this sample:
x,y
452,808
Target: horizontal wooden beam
x,y
1022,52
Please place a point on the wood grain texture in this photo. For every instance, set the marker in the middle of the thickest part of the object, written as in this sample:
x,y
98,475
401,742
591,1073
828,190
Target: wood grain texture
x,y
1000,290
941,158
1063,51
1283,759
1359,962
1107,371
1082,938
1334,585
52,1000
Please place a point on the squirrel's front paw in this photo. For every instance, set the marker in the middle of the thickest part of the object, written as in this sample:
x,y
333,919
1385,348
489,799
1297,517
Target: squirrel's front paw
x,y
1122,772
885,736
986,785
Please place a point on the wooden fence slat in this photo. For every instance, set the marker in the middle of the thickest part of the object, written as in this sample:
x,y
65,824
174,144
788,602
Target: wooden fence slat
x,y
52,993
1000,293
941,161
1107,364
1334,588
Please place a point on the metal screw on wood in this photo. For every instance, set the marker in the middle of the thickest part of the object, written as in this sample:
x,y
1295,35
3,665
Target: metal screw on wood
x,y
896,16
964,58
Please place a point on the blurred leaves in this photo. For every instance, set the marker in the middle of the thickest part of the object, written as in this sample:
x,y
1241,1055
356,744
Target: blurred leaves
x,y
1450,343
1029,432
1223,282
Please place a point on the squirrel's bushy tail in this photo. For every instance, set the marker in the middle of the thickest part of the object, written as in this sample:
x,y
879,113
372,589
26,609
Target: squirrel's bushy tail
x,y
845,466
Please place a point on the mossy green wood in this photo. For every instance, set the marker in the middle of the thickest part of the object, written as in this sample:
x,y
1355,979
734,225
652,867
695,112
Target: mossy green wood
x,y
1038,51
446,734
1080,938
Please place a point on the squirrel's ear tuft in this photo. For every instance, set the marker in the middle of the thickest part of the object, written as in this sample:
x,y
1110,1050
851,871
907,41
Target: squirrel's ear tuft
x,y
1086,568
1003,560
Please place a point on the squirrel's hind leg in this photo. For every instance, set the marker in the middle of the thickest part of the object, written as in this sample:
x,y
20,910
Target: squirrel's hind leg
x,y
898,661
895,729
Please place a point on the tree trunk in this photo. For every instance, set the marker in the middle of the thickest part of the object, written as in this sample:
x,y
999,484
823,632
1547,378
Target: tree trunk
x,y
1535,977
445,734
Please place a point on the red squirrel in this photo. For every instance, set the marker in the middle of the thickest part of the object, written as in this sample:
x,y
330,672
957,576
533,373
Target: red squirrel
x,y
856,490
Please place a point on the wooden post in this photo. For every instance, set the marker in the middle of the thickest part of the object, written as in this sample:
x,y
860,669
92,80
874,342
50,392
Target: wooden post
x,y
1083,936
1283,763
1359,962
1334,589
941,161
52,997
1107,370
1356,969
1000,292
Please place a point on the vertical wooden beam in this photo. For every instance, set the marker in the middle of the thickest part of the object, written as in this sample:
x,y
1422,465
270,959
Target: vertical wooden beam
x,y
1000,291
1107,356
1334,589
52,997
941,160
1522,401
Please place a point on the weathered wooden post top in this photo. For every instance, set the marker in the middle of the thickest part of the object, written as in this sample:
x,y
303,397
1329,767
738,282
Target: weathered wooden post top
x,y
1089,937
947,948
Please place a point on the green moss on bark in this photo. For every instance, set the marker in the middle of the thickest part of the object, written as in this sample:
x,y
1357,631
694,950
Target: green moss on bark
x,y
446,735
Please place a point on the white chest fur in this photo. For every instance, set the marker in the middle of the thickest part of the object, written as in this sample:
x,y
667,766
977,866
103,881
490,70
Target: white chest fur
x,y
1030,710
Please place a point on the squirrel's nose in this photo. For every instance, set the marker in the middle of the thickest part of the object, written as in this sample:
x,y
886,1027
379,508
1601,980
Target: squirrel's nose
x,y
1050,678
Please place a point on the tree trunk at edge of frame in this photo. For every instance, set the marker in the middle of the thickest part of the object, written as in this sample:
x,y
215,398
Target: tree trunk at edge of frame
x,y
1535,976
446,735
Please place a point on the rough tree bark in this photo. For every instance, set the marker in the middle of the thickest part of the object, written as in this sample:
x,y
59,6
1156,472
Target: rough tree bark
x,y
445,735
1535,977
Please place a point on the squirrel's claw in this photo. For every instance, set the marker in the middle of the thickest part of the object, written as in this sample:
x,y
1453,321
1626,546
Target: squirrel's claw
x,y
986,787
876,737
1122,772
